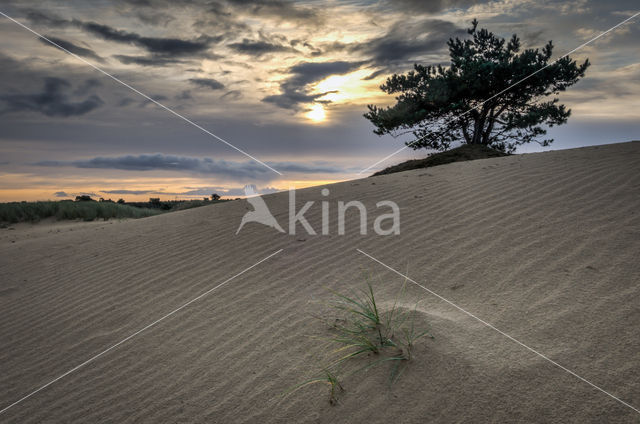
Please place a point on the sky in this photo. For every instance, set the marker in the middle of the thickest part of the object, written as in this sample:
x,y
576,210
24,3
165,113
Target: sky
x,y
286,82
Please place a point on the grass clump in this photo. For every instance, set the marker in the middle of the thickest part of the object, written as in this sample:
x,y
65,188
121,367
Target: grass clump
x,y
328,378
364,336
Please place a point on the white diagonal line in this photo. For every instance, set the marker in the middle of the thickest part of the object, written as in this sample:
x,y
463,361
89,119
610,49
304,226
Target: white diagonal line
x,y
501,332
140,93
137,332
506,89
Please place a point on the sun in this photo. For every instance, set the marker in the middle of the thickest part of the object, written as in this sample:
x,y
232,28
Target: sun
x,y
316,113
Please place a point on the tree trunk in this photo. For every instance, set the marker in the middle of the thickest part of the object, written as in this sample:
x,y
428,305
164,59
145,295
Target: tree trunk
x,y
487,133
480,119
465,132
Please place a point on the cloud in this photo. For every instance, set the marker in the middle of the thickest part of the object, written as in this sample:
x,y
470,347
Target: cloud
x,y
308,72
126,102
54,100
232,95
259,48
156,97
150,60
195,191
133,192
374,75
159,162
73,48
87,86
218,17
295,89
49,20
239,191
154,18
227,15
157,45
60,194
404,42
430,6
407,41
185,95
279,9
207,83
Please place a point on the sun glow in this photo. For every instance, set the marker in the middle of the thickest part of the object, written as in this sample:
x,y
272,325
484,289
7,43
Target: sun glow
x,y
348,88
317,113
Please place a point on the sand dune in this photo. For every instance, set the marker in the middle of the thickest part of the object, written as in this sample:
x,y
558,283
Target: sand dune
x,y
543,246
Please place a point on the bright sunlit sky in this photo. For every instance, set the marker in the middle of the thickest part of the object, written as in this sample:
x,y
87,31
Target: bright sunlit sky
x,y
285,81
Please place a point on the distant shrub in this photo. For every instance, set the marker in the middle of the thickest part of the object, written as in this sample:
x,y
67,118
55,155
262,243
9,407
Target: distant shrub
x,y
84,198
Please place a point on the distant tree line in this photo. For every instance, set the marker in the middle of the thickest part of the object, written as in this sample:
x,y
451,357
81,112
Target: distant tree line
x,y
156,203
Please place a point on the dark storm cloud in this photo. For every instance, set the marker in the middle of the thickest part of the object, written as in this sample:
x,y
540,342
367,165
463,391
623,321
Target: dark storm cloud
x,y
295,89
53,100
160,162
207,83
73,48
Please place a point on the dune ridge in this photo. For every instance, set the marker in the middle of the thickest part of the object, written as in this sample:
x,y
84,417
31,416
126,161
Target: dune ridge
x,y
543,246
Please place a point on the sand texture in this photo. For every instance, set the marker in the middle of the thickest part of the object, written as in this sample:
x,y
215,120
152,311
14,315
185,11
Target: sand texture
x,y
543,246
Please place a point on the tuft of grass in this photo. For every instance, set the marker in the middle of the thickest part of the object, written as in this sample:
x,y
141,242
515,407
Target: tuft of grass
x,y
327,377
366,332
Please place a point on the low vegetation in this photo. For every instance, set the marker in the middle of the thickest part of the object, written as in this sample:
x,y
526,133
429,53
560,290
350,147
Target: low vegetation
x,y
174,205
15,212
364,336
87,209
459,154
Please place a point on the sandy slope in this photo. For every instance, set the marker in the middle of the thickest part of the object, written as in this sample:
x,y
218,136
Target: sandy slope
x,y
543,246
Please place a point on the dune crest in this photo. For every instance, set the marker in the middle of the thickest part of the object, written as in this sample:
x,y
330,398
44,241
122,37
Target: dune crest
x,y
544,246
